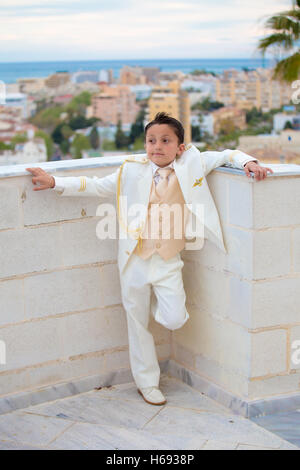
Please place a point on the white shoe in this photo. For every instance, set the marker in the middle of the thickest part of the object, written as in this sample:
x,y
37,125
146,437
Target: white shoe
x,y
152,395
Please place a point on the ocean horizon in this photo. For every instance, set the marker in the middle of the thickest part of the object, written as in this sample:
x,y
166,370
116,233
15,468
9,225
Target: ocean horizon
x,y
11,71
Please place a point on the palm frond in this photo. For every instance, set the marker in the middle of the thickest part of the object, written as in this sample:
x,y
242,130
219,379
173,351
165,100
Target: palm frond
x,y
288,69
284,40
284,23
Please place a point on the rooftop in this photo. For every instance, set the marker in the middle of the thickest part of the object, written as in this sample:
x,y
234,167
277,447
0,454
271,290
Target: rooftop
x,y
117,418
230,375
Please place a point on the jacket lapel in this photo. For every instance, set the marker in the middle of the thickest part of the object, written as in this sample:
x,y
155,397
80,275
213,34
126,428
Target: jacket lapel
x,y
144,182
182,176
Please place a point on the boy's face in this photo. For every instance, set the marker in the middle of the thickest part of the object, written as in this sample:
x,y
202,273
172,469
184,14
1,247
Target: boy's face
x,y
162,144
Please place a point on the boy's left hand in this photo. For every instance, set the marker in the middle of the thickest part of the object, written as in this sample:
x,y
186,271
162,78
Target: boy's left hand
x,y
259,171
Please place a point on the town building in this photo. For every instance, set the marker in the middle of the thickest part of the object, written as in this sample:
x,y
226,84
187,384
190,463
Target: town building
x,y
114,103
174,101
255,88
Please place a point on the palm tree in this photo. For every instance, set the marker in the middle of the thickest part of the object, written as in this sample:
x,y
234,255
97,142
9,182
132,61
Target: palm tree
x,y
286,27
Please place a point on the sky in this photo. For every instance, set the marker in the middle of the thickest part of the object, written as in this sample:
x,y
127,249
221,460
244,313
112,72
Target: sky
x,y
35,30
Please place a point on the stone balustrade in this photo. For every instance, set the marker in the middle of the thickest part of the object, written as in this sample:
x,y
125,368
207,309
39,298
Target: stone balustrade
x,y
61,316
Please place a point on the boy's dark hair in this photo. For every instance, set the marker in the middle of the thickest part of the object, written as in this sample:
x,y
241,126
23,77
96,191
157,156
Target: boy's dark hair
x,y
164,118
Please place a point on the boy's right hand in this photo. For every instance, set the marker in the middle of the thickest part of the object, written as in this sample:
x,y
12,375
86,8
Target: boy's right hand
x,y
45,180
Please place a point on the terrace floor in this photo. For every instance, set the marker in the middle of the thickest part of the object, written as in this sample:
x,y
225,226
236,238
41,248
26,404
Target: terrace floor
x,y
117,418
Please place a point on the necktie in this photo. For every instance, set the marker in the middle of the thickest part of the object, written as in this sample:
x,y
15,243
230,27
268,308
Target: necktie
x,y
163,181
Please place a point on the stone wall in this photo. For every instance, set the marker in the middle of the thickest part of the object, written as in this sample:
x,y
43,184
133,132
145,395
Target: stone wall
x,y
245,305
61,316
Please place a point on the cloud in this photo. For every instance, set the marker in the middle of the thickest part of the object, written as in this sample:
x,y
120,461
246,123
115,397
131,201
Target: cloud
x,y
102,29
58,7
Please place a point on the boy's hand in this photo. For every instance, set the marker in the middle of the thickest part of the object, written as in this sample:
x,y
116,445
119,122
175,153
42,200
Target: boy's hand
x,y
45,180
259,171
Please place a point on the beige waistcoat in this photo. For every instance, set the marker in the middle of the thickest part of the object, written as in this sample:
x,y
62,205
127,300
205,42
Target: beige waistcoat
x,y
164,231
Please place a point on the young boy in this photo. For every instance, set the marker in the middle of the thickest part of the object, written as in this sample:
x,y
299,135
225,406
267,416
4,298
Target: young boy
x,y
170,175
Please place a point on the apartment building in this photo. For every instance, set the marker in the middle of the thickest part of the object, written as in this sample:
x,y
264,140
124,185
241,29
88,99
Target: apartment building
x,y
229,113
174,101
255,88
57,79
114,103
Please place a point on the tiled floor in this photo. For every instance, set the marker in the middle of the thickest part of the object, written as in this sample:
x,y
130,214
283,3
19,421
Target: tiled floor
x,y
118,418
285,425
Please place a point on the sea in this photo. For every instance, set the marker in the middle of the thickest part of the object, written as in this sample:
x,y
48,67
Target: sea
x,y
11,71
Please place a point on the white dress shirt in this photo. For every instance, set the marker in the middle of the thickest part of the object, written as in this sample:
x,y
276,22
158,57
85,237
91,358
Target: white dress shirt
x,y
155,167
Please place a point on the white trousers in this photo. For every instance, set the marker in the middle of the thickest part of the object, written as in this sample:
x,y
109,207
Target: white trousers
x,y
156,286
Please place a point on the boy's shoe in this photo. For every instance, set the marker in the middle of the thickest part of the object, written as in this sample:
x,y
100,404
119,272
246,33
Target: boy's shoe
x,y
152,395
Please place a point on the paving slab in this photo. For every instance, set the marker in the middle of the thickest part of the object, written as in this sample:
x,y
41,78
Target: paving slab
x,y
285,425
118,418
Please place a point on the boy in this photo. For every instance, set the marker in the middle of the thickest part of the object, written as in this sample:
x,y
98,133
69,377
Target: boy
x,y
171,174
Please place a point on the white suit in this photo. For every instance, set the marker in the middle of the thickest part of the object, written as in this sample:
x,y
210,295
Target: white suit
x,y
133,180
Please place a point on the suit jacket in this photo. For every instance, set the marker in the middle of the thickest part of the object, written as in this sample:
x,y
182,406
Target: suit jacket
x,y
133,180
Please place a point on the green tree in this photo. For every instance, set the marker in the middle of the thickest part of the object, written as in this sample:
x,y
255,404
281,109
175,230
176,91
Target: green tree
x,y
80,142
64,146
288,125
4,146
227,126
137,128
196,134
47,119
138,143
94,138
284,39
57,134
48,142
79,104
121,139
19,138
66,132
207,105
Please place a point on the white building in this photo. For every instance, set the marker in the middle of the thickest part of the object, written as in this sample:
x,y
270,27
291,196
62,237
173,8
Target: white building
x,y
206,124
85,76
280,119
18,100
141,92
33,151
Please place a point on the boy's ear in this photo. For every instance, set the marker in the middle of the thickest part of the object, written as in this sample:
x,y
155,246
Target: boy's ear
x,y
181,150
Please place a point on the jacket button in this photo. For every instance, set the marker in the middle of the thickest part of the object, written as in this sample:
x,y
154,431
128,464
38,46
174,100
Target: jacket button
x,y
158,245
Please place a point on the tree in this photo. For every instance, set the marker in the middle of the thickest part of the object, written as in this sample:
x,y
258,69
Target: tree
x,y
48,142
284,38
196,134
19,138
94,138
288,125
121,139
81,122
79,104
227,126
80,142
4,146
137,128
47,119
207,105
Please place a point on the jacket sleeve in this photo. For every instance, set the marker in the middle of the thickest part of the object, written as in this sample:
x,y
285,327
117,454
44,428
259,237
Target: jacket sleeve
x,y
86,186
231,158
